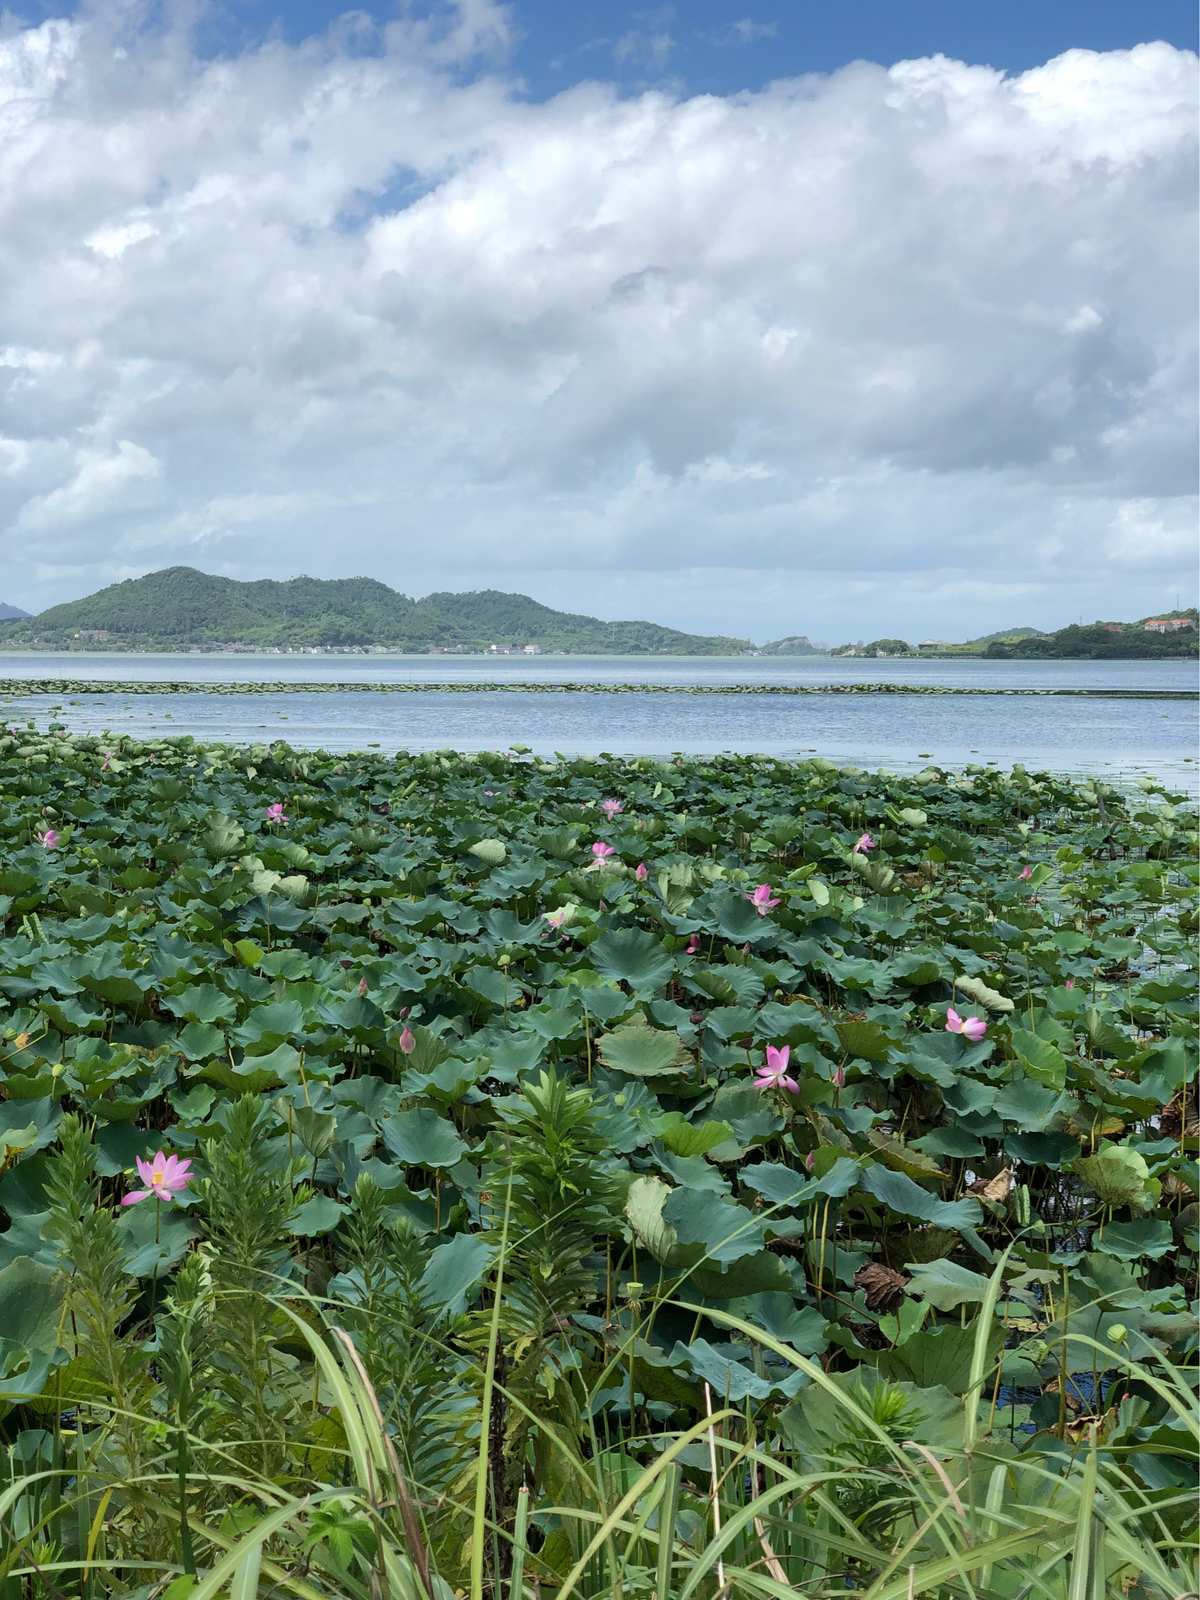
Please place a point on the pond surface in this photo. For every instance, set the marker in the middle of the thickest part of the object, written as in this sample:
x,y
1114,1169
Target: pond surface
x,y
1122,739
964,674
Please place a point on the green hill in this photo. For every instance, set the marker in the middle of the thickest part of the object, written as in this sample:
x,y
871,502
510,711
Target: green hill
x,y
1007,636
180,608
796,644
1101,641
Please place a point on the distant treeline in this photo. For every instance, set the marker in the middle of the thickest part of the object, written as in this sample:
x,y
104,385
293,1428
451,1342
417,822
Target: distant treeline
x,y
1097,642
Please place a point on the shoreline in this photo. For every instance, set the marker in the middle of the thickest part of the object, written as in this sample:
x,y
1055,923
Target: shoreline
x,y
20,688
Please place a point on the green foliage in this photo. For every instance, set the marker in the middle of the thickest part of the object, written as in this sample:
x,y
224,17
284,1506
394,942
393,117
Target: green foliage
x,y
1099,641
434,1139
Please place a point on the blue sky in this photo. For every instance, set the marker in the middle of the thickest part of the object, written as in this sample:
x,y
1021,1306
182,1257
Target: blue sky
x,y
710,46
443,297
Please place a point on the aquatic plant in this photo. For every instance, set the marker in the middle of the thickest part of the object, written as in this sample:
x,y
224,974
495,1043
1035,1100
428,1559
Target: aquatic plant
x,y
500,1269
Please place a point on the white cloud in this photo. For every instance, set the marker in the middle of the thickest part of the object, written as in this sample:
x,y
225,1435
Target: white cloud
x,y
103,482
746,30
784,361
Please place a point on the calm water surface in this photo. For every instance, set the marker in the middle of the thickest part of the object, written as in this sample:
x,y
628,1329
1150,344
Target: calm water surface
x,y
602,669
1121,739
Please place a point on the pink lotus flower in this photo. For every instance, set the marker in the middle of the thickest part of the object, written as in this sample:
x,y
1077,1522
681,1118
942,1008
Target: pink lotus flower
x,y
611,808
810,1161
839,1077
107,762
50,839
774,1075
640,872
164,1177
693,945
406,1041
761,899
862,844
556,918
972,1028
362,986
1070,983
275,812
1026,873
602,851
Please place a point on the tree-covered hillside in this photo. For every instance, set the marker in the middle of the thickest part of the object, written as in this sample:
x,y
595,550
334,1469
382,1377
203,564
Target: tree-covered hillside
x,y
796,644
1099,641
179,608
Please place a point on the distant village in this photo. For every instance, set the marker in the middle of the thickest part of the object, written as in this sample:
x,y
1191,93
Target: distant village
x,y
878,649
106,636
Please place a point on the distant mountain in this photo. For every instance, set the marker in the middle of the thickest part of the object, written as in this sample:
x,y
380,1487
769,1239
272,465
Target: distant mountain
x,y
12,614
796,644
180,608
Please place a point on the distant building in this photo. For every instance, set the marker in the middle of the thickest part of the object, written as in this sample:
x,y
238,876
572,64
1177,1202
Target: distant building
x,y
1168,624
932,644
531,650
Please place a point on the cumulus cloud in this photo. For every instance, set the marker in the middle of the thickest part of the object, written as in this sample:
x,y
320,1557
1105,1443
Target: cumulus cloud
x,y
785,361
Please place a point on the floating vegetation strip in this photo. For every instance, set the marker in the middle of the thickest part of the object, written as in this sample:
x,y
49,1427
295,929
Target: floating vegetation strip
x,y
18,687
712,1129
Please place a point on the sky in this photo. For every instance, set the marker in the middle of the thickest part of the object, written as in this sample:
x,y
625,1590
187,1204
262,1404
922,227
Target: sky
x,y
850,321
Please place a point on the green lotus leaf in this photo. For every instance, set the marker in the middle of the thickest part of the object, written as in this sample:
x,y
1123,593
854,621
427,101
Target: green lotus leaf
x,y
684,1138
644,1203
455,1272
1119,1176
1131,1241
632,956
733,1381
421,1138
721,1229
316,1216
899,1193
946,1285
641,1051
976,989
1029,1104
865,1041
491,851
153,1237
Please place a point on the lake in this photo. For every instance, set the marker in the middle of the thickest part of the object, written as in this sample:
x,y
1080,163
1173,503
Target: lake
x,y
1121,739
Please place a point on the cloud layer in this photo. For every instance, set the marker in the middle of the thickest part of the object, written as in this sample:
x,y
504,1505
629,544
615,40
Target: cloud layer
x,y
889,347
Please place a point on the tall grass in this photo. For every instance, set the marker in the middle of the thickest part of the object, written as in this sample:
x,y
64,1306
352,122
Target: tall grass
x,y
725,1508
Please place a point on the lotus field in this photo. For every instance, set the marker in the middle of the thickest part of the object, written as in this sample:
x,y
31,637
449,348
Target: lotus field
x,y
443,1176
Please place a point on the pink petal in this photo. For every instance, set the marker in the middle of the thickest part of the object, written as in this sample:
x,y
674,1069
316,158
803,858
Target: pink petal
x,y
134,1195
953,1021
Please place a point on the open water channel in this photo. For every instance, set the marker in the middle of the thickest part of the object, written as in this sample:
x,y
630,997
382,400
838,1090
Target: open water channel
x,y
1108,734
